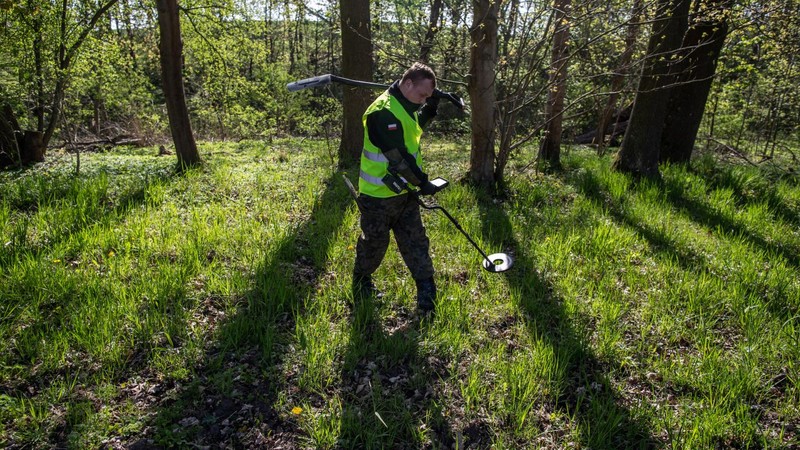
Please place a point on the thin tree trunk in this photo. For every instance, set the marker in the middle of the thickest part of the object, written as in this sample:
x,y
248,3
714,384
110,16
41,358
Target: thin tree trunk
x,y
430,34
38,65
702,45
482,90
618,79
172,78
640,147
550,148
10,153
357,63
65,57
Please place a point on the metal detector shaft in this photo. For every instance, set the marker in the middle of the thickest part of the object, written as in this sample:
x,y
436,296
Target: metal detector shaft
x,y
455,222
324,80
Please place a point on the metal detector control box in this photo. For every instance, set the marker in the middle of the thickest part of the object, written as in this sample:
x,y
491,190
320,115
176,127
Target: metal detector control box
x,y
440,183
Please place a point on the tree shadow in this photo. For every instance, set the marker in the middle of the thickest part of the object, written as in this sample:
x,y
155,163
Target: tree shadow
x,y
749,193
659,239
710,218
100,209
586,392
387,384
233,390
591,187
52,312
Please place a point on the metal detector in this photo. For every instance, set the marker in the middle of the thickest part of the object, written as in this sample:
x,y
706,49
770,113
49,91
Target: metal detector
x,y
324,80
496,262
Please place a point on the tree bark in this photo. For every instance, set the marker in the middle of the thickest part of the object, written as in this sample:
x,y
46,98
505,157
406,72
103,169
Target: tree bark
x,y
482,90
640,147
65,56
618,78
700,51
171,49
357,63
550,148
9,130
430,34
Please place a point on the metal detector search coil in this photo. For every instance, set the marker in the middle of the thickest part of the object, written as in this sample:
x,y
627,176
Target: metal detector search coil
x,y
496,262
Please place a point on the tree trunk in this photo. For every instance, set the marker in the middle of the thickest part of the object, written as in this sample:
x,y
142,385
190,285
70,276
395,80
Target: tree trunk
x,y
481,88
701,47
357,63
64,58
9,130
550,149
618,78
172,78
433,28
640,147
32,147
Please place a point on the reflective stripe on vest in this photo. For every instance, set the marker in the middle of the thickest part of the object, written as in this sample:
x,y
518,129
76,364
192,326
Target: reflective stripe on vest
x,y
377,157
374,165
369,179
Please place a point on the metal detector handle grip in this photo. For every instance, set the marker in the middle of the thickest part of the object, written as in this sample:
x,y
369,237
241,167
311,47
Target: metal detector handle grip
x,y
321,80
453,98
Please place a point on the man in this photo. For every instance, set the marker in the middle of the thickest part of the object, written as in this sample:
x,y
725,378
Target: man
x,y
393,126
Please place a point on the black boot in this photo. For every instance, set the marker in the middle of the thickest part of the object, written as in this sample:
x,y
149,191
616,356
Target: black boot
x,y
363,287
426,294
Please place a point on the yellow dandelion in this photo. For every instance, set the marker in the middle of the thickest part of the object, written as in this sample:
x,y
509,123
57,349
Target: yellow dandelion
x,y
297,410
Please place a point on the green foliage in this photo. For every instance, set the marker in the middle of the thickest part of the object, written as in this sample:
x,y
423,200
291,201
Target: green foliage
x,y
238,57
214,308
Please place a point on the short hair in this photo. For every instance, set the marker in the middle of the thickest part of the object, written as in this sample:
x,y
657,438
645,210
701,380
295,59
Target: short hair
x,y
417,72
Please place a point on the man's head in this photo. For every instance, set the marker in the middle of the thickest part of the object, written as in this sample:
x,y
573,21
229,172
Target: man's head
x,y
417,83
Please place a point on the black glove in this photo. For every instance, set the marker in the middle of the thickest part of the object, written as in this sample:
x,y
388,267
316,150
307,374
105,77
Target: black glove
x,y
432,105
452,97
428,188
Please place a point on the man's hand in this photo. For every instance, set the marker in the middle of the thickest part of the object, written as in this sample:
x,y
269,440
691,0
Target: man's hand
x,y
428,188
432,105
454,98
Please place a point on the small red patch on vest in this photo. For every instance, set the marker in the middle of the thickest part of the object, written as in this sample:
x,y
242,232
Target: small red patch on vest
x,y
392,127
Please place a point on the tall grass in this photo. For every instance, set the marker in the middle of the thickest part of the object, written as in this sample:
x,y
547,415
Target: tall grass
x,y
214,307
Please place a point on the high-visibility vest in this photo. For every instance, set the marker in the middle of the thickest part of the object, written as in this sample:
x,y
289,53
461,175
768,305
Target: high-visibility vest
x,y
374,165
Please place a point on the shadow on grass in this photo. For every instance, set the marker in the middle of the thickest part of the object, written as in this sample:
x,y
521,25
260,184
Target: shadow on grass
x,y
707,216
231,397
586,393
749,193
660,241
591,187
52,310
388,387
98,211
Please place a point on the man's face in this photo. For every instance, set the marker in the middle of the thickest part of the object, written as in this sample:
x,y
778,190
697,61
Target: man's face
x,y
417,92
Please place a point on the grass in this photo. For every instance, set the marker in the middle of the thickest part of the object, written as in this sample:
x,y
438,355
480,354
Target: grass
x,y
144,308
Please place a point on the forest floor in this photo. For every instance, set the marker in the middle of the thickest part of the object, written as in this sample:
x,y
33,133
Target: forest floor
x,y
144,309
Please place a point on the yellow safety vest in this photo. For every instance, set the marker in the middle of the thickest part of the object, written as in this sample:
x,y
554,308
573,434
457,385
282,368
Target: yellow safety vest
x,y
374,165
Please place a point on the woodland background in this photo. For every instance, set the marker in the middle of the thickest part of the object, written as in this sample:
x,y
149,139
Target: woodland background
x,y
146,302
87,73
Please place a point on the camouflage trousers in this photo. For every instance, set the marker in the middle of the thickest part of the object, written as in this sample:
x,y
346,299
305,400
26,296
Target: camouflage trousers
x,y
401,215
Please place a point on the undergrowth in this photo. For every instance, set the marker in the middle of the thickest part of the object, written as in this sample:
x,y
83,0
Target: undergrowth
x,y
140,307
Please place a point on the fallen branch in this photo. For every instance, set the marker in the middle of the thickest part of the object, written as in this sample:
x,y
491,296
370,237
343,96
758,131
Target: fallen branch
x,y
736,152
